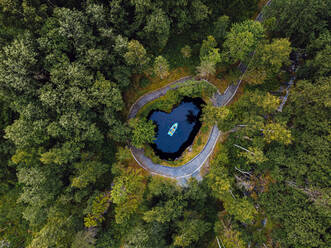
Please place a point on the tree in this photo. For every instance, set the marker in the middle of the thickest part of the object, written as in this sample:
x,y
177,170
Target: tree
x,y
303,224
190,230
220,28
161,67
18,65
136,55
277,132
242,209
274,55
206,68
254,155
255,76
84,239
229,236
127,193
157,28
212,114
313,16
209,57
200,11
186,51
88,171
207,46
242,40
100,206
60,227
143,132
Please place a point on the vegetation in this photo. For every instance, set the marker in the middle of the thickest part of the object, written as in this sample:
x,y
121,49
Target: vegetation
x,y
69,72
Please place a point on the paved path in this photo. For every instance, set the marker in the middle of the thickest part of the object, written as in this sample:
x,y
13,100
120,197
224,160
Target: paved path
x,y
192,168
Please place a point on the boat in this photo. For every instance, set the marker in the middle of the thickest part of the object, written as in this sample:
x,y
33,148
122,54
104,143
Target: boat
x,y
173,129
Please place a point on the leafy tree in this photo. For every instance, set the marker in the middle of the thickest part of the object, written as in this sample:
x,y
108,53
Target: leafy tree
x,y
186,51
206,68
84,239
142,132
242,40
161,67
304,226
229,236
255,76
127,194
136,55
207,46
211,114
170,211
313,16
271,57
150,235
276,131
220,28
209,57
157,28
190,231
100,206
41,185
200,11
241,209
16,232
60,228
254,155
18,65
123,154
88,171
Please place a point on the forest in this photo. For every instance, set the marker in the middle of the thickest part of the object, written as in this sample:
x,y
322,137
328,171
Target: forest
x,y
71,70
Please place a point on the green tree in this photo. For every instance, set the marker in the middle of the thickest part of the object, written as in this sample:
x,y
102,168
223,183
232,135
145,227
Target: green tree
x,y
220,28
206,69
157,28
161,67
100,206
242,209
190,230
229,236
212,114
142,132
313,16
88,171
242,40
186,51
18,66
207,46
84,239
136,55
127,193
273,56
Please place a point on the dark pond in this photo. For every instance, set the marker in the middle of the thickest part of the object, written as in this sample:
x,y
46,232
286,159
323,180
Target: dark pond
x,y
186,115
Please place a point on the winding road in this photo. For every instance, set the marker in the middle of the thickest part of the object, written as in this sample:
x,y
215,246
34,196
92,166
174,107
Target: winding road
x,y
192,168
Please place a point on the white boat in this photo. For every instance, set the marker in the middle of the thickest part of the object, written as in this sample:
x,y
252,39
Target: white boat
x,y
173,129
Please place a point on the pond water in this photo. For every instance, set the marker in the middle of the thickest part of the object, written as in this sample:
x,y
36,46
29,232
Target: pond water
x,y
186,115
